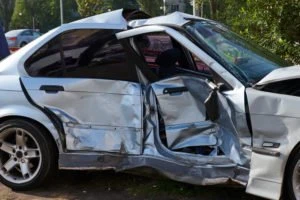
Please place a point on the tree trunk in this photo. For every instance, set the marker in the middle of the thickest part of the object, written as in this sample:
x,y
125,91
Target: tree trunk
x,y
6,11
213,8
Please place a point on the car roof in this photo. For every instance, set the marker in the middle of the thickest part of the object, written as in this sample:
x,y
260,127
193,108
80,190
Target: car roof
x,y
15,32
173,19
110,18
116,19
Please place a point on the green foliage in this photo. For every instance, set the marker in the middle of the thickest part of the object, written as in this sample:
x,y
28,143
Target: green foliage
x,y
92,7
118,4
290,27
6,11
151,7
274,24
43,14
189,7
21,17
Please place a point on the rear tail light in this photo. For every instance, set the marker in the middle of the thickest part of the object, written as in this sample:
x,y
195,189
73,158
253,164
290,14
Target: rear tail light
x,y
12,49
12,38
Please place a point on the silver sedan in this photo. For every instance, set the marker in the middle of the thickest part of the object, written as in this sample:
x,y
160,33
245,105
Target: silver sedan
x,y
177,95
21,37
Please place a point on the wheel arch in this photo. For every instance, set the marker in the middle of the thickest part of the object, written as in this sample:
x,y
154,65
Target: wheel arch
x,y
39,119
23,43
289,161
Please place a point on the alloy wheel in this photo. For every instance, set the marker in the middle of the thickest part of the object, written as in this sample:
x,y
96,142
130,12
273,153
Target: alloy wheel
x,y
20,156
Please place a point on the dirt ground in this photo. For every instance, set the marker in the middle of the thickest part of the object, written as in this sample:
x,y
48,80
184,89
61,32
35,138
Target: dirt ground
x,y
108,185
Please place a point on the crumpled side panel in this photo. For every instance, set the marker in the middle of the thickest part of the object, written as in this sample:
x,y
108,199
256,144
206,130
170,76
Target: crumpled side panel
x,y
185,117
184,167
275,119
120,140
175,170
179,108
97,115
191,135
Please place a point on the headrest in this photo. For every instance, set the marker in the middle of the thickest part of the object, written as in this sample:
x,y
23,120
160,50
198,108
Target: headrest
x,y
168,58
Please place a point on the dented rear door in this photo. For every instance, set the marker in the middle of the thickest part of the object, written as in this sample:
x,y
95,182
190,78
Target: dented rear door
x,y
97,115
84,79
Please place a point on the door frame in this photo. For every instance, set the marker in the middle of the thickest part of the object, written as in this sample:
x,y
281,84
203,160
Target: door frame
x,y
236,95
184,41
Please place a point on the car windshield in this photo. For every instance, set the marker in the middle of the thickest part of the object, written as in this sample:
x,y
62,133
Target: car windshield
x,y
244,58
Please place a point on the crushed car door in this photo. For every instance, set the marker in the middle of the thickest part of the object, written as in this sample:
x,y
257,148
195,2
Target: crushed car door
x,y
83,78
183,115
195,117
193,113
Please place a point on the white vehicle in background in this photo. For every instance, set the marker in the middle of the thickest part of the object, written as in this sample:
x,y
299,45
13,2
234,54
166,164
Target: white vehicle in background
x,y
179,95
19,38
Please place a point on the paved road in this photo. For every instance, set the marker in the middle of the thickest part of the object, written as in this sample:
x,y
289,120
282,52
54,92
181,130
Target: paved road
x,y
73,185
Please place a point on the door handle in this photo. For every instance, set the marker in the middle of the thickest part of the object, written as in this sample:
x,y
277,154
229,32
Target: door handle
x,y
52,88
175,90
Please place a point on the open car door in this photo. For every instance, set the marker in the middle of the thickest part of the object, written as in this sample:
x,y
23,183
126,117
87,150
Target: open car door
x,y
184,115
194,117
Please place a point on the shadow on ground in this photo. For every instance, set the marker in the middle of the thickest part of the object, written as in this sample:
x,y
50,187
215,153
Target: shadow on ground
x,y
107,185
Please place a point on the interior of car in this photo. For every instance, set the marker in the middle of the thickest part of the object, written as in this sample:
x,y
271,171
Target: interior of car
x,y
167,58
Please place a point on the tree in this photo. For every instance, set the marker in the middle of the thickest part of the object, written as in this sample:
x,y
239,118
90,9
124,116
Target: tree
x,y
21,17
273,24
151,7
290,27
90,7
6,12
41,14
189,7
118,4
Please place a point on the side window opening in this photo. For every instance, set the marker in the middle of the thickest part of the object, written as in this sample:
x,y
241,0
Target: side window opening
x,y
84,53
200,65
166,57
26,33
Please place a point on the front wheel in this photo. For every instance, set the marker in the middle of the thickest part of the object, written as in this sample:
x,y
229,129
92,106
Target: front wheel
x,y
27,155
292,179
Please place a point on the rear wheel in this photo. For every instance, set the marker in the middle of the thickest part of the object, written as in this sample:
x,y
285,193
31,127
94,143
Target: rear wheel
x,y
292,179
27,155
23,44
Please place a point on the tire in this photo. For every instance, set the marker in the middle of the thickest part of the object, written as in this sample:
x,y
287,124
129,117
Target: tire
x,y
33,155
23,44
291,173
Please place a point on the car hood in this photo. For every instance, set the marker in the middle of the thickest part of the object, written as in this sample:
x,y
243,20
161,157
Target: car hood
x,y
281,74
